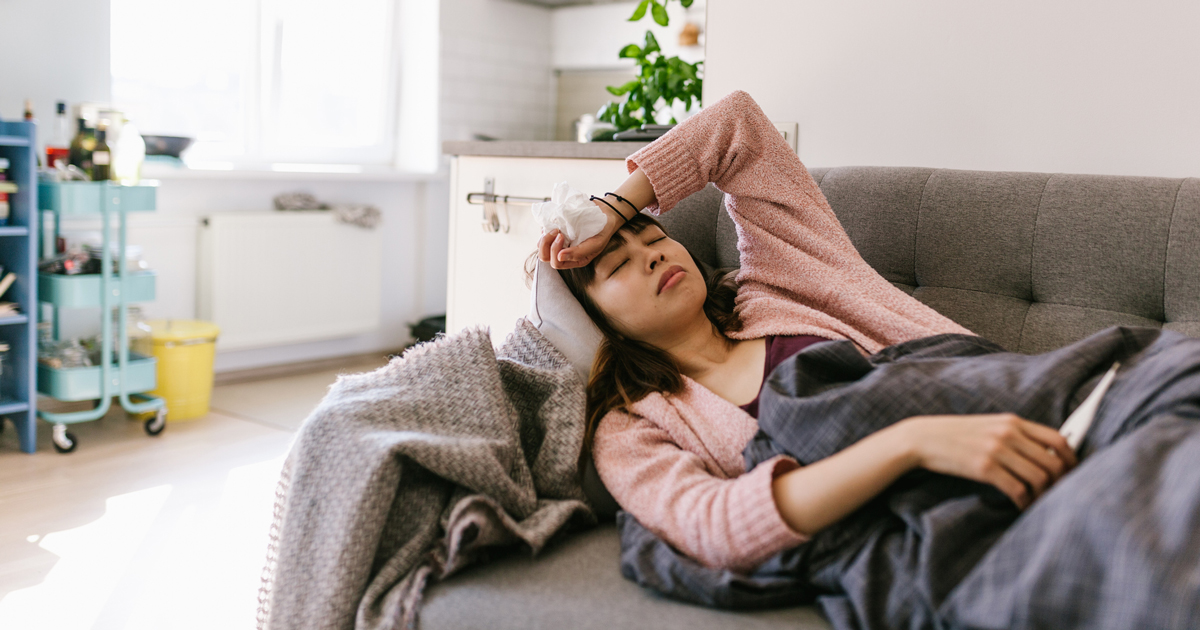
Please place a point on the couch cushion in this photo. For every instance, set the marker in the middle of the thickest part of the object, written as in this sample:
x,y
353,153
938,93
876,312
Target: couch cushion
x,y
1181,301
878,209
976,232
577,584
1101,243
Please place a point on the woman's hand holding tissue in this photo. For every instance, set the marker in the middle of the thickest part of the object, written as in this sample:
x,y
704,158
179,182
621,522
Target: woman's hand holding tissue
x,y
575,229
552,247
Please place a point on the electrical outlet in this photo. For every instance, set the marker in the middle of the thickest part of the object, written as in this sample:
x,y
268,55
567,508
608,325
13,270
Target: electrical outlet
x,y
790,132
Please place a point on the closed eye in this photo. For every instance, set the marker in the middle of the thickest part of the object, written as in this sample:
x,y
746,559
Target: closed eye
x,y
622,263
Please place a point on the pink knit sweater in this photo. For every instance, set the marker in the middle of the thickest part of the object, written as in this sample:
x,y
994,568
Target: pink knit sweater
x,y
676,462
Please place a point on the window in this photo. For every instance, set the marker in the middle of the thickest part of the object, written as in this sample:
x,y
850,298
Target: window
x,y
257,82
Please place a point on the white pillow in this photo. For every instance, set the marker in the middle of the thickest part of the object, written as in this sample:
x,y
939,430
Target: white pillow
x,y
561,319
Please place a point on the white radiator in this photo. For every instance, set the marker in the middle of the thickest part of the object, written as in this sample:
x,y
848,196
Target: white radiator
x,y
287,277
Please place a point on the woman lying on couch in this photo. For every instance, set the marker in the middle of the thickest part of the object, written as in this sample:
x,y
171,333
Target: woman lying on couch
x,y
680,379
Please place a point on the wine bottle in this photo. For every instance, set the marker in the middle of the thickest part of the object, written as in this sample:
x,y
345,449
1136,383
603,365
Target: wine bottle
x,y
82,146
58,149
101,156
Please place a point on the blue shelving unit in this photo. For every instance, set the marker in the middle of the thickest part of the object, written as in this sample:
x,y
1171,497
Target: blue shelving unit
x,y
18,253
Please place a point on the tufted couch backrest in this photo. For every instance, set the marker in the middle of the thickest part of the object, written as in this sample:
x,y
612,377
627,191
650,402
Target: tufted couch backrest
x,y
1031,261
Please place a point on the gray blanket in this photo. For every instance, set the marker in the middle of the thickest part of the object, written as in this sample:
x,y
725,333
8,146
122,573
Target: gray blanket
x,y
411,472
1115,544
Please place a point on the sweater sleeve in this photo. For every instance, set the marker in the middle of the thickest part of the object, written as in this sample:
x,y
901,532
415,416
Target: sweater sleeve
x,y
797,263
723,523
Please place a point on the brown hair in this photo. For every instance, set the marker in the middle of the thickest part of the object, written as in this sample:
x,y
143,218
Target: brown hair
x,y
627,370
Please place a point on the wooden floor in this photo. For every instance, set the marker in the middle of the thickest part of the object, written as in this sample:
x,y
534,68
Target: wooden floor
x,y
131,531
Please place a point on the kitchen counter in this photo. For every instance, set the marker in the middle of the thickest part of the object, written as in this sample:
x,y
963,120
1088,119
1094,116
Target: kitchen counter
x,y
545,149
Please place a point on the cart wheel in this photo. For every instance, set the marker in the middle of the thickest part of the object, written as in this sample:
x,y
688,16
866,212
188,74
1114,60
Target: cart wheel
x,y
64,441
155,425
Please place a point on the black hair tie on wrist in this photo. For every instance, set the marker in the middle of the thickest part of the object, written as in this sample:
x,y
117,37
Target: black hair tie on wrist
x,y
626,202
601,200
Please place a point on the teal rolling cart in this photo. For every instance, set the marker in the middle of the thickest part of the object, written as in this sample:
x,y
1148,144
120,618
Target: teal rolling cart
x,y
132,375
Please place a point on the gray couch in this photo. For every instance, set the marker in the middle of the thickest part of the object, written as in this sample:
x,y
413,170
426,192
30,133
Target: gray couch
x,y
1030,260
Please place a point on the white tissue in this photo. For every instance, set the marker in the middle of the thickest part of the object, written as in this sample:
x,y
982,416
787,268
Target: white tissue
x,y
572,213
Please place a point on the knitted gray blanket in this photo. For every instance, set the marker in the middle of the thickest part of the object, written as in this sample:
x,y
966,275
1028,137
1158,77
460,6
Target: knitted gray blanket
x,y
408,473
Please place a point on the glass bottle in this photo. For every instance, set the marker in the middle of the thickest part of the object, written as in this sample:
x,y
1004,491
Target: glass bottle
x,y
59,148
101,156
81,147
29,118
128,155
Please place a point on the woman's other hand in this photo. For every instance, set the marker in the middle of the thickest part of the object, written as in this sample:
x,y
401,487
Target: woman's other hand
x,y
1020,458
552,245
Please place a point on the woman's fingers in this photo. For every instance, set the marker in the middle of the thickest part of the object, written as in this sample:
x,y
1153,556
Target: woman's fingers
x,y
544,244
1051,439
556,246
1012,487
1041,454
1026,471
583,253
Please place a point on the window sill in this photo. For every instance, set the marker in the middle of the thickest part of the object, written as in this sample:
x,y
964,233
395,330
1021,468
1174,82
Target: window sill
x,y
362,173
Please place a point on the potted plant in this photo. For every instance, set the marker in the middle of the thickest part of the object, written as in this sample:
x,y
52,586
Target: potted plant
x,y
660,82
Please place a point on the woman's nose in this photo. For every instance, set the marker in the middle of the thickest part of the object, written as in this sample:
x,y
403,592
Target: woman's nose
x,y
656,258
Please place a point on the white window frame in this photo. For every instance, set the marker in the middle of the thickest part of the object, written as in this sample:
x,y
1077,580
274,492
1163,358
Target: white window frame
x,y
404,113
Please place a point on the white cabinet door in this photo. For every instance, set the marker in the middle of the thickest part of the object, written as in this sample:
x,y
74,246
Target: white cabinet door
x,y
486,276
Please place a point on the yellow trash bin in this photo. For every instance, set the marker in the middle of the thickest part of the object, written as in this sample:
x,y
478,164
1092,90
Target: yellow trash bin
x,y
184,349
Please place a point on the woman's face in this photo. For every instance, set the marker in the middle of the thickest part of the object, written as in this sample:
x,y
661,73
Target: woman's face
x,y
648,285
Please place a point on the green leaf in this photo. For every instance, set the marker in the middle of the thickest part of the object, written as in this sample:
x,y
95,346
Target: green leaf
x,y
608,113
640,11
659,12
619,90
686,3
630,51
651,43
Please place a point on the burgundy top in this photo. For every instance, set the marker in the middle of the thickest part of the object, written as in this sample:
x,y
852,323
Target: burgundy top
x,y
779,349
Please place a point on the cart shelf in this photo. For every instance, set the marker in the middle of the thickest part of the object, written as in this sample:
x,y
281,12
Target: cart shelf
x,y
83,383
75,198
83,290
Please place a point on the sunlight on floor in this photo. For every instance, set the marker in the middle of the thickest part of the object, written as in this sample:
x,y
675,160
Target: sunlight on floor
x,y
164,557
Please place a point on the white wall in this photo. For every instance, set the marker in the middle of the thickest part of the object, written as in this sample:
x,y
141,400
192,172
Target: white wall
x,y
52,50
1077,86
496,77
588,37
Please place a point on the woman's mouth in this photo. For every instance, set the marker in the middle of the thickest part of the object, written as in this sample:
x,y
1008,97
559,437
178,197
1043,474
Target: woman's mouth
x,y
671,277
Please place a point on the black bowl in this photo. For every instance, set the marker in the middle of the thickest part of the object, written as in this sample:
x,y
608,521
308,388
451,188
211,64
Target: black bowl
x,y
166,145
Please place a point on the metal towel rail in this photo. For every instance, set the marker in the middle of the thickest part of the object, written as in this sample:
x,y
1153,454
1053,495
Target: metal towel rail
x,y
488,199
